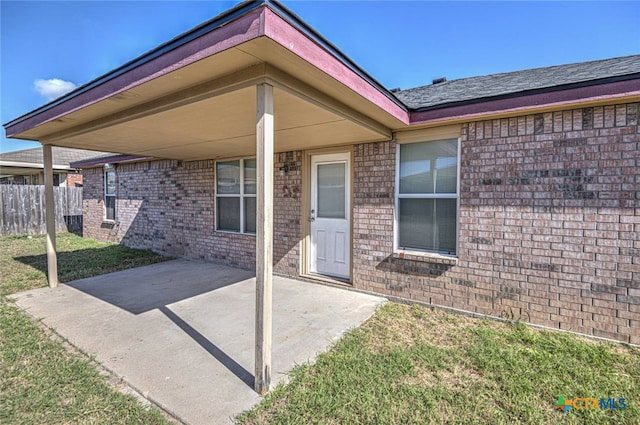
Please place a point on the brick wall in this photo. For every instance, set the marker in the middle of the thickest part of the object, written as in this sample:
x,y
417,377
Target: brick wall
x,y
549,220
549,223
287,189
74,179
168,206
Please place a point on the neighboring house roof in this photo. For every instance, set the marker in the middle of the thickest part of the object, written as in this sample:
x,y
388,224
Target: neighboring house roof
x,y
33,158
520,82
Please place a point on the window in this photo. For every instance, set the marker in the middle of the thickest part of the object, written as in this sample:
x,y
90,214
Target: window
x,y
110,192
427,196
236,195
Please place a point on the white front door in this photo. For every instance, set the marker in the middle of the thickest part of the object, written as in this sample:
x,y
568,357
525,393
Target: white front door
x,y
330,215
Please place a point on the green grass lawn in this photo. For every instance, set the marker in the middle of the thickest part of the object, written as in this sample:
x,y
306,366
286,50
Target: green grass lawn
x,y
416,365
41,382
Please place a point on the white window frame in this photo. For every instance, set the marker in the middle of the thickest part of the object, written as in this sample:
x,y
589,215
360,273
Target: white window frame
x,y
398,196
241,196
109,168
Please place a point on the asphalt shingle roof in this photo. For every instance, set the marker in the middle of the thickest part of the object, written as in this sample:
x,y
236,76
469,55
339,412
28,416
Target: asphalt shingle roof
x,y
61,156
467,89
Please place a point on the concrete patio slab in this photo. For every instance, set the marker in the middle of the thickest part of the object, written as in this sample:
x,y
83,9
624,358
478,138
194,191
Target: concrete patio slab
x,y
182,332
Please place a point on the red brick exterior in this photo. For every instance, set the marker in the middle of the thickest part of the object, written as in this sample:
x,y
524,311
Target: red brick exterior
x,y
168,206
287,189
549,223
549,228
74,179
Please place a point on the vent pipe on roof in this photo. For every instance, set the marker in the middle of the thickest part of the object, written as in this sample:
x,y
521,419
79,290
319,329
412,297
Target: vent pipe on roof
x,y
439,80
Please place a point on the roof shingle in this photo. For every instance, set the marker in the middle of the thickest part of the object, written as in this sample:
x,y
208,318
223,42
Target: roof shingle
x,y
511,83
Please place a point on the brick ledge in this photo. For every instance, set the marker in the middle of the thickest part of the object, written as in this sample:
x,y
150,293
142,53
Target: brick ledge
x,y
426,257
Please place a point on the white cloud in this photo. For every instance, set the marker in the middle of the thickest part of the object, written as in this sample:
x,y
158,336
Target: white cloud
x,y
53,87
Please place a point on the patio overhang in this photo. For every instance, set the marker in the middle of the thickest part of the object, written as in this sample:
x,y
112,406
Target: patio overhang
x,y
194,97
252,81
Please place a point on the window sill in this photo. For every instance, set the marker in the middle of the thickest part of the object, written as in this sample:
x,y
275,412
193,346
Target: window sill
x,y
430,257
231,232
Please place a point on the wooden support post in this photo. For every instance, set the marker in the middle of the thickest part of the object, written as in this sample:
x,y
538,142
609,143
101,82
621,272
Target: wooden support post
x,y
264,235
52,257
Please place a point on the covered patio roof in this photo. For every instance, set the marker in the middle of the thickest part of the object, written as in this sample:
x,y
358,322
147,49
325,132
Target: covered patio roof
x,y
252,81
194,96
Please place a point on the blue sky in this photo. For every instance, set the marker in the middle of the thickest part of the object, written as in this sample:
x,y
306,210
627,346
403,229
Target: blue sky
x,y
49,46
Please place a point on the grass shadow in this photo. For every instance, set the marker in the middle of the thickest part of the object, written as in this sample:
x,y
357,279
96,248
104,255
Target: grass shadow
x,y
83,263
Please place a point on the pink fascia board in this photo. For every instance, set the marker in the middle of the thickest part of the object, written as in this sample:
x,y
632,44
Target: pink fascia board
x,y
526,103
236,32
283,33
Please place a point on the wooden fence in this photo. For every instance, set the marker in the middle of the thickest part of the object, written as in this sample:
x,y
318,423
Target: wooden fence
x,y
22,209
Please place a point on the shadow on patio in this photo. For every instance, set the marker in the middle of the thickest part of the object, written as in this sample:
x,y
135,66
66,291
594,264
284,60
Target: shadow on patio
x,y
182,332
141,290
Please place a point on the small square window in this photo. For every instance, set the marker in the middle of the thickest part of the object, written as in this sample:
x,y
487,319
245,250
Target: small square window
x,y
236,196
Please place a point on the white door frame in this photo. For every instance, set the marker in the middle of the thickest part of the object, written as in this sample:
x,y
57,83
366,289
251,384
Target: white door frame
x,y
310,159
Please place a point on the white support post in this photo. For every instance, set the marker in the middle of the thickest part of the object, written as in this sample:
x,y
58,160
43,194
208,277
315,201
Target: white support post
x,y
264,235
52,257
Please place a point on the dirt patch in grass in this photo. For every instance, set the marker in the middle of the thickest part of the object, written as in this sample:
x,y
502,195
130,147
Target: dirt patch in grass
x,y
401,325
459,378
